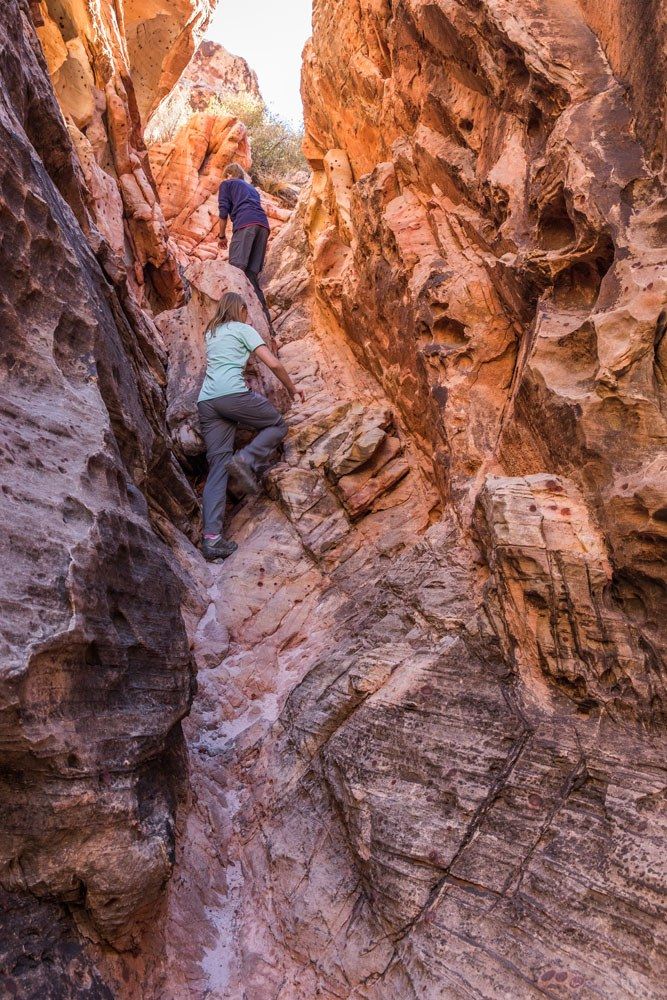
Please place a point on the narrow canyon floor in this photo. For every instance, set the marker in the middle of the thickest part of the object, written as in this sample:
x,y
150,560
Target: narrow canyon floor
x,y
305,591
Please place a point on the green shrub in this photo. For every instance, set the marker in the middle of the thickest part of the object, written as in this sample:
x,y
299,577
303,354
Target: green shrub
x,y
276,145
169,117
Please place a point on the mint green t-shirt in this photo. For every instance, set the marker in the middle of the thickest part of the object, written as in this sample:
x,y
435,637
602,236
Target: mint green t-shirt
x,y
228,348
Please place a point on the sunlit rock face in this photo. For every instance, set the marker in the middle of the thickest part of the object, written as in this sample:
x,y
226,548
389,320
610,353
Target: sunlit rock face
x,y
111,64
96,670
488,231
632,36
412,773
480,736
162,36
213,72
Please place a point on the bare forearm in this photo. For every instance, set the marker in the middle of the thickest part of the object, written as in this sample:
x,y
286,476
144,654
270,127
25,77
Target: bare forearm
x,y
281,372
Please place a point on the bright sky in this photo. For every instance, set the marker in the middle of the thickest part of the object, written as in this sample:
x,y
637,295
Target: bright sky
x,y
270,35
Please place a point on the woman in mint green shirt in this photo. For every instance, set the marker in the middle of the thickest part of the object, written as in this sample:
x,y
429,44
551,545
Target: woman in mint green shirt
x,y
225,402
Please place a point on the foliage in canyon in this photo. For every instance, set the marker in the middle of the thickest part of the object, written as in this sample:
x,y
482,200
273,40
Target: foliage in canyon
x,y
220,85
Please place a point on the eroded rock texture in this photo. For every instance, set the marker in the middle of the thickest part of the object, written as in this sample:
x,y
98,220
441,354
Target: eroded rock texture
x,y
432,679
405,783
301,627
426,758
489,234
111,63
212,74
96,670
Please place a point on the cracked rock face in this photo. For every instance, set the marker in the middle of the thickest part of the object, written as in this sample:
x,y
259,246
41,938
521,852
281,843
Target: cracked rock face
x,y
435,727
424,762
488,231
96,669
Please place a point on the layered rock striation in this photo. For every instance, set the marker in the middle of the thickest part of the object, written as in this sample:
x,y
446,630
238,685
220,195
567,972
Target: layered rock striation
x,y
426,755
399,787
96,667
487,230
111,64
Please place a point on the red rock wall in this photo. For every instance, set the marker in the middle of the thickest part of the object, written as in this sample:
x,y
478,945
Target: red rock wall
x,y
458,792
110,64
96,669
634,38
426,757
489,234
414,774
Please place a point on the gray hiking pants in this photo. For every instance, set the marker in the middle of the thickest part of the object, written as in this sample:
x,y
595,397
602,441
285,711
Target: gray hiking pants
x,y
219,419
247,252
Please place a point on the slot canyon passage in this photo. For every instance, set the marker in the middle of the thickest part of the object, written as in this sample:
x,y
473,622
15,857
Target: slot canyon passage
x,y
409,740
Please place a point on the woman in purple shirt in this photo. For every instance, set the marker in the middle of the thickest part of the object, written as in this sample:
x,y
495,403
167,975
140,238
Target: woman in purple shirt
x,y
240,200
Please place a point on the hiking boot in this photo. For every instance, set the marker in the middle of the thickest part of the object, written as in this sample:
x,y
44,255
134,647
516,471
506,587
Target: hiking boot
x,y
243,475
216,551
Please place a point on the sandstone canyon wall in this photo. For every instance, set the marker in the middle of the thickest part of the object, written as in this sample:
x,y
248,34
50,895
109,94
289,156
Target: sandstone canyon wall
x,y
96,673
212,73
426,755
110,64
97,669
488,232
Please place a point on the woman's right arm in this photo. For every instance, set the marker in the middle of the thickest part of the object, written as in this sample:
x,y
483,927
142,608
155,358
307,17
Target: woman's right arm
x,y
279,370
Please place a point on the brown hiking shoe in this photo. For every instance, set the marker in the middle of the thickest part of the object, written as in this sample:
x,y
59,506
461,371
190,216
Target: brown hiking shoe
x,y
242,475
218,550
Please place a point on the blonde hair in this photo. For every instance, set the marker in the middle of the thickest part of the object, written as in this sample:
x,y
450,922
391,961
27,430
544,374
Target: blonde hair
x,y
232,308
233,170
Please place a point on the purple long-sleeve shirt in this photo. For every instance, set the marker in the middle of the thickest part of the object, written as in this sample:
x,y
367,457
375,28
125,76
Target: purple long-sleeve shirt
x,y
241,201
